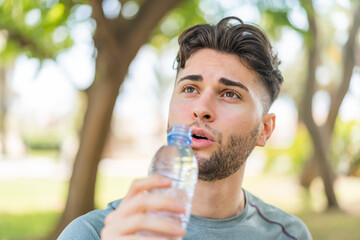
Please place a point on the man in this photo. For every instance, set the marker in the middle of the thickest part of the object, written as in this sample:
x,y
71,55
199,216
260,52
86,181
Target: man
x,y
227,79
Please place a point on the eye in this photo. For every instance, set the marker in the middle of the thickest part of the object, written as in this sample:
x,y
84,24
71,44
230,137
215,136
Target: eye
x,y
189,89
232,95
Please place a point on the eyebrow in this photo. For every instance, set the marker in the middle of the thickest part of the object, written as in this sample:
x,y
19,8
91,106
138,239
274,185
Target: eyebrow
x,y
224,81
228,82
196,78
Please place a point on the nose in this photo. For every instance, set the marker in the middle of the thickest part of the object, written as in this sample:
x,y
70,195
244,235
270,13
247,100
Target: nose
x,y
204,108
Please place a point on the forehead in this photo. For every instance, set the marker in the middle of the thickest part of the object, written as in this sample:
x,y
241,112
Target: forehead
x,y
213,64
212,58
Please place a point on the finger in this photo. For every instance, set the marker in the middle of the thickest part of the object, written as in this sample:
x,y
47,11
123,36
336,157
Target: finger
x,y
147,184
127,229
144,202
106,235
150,223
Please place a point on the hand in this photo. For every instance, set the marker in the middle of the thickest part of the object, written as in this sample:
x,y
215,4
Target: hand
x,y
131,216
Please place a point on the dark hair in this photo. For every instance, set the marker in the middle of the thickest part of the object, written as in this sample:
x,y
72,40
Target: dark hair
x,y
247,41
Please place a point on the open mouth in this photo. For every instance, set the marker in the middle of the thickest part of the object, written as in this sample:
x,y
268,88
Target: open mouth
x,y
199,137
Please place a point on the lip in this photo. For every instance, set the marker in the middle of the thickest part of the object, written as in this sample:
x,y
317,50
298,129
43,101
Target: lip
x,y
201,143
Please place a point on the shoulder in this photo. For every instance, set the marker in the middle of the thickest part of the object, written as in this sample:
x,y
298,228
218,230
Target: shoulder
x,y
88,226
290,225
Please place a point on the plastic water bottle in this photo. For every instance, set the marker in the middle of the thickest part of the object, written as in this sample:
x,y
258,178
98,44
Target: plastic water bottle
x,y
177,162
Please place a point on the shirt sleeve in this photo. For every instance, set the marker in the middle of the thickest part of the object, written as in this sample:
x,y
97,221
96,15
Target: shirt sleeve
x,y
86,227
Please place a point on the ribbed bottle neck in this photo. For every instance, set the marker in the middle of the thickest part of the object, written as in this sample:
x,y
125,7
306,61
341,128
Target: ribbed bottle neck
x,y
179,134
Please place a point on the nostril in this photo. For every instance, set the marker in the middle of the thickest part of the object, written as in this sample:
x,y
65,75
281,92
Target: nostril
x,y
202,116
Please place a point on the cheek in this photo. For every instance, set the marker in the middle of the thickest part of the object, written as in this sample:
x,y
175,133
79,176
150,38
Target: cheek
x,y
179,113
238,120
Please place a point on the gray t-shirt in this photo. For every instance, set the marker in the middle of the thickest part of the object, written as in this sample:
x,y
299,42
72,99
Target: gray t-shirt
x,y
258,221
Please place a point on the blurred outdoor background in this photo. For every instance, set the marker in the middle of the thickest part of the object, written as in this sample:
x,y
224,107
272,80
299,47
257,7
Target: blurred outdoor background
x,y
89,82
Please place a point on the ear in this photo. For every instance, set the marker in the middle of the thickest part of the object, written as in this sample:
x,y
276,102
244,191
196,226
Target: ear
x,y
267,128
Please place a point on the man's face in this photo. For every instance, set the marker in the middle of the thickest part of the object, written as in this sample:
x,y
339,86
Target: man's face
x,y
220,99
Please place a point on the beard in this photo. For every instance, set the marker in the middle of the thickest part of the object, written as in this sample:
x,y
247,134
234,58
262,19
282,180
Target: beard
x,y
228,157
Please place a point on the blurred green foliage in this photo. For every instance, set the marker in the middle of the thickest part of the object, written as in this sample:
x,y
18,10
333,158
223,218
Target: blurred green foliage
x,y
45,138
27,195
46,141
332,225
35,27
178,19
276,16
345,151
295,156
27,226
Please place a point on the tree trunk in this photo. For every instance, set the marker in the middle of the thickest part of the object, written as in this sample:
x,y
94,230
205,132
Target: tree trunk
x,y
311,169
101,99
309,172
117,42
320,149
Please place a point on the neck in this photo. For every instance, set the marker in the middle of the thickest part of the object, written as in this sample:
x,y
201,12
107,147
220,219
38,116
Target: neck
x,y
220,199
